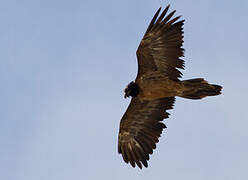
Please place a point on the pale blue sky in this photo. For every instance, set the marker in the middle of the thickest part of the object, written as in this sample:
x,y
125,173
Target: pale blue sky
x,y
63,68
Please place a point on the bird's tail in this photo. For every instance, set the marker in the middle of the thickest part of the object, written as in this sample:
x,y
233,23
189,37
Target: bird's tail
x,y
199,88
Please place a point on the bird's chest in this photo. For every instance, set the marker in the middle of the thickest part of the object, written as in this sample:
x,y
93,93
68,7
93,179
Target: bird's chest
x,y
154,88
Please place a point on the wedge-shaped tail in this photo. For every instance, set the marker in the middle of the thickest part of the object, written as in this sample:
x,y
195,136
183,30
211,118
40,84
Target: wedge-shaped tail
x,y
199,88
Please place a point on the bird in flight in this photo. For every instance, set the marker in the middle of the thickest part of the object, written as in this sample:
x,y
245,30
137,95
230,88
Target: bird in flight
x,y
155,87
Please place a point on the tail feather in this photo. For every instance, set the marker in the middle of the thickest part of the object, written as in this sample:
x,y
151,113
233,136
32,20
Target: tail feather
x,y
199,88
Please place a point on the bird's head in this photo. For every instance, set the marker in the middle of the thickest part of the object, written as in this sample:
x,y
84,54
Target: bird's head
x,y
132,89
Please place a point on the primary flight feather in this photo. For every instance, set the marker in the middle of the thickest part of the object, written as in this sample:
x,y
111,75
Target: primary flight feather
x,y
155,87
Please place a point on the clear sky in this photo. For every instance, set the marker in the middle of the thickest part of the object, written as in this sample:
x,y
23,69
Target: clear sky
x,y
63,68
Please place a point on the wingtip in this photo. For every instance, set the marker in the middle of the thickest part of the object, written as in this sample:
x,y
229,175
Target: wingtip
x,y
167,8
173,12
158,11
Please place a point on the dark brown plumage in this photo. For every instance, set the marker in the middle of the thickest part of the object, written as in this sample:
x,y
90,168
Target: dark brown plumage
x,y
155,87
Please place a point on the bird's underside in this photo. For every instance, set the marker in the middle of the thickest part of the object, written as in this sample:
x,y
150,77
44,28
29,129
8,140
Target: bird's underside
x,y
155,87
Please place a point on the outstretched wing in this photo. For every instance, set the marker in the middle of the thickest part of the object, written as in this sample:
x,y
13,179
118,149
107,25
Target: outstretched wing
x,y
161,46
140,129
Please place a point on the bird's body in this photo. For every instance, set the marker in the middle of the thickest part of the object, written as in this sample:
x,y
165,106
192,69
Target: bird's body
x,y
155,87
